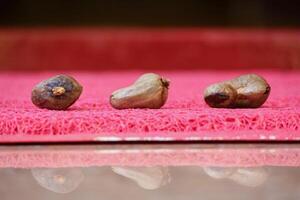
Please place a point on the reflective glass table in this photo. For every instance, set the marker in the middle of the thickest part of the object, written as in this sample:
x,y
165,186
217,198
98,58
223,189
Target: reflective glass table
x,y
150,171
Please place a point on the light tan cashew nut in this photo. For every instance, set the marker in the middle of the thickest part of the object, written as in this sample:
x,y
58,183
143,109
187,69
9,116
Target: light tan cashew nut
x,y
246,91
148,91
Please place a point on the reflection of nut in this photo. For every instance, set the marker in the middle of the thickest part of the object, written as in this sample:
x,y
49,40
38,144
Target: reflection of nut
x,y
247,91
149,178
251,177
61,180
149,91
219,172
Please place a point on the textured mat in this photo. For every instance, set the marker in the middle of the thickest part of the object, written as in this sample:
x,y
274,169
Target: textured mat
x,y
189,155
184,117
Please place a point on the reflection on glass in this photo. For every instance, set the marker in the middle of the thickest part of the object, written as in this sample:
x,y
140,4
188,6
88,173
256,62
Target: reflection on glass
x,y
60,180
219,172
251,177
149,178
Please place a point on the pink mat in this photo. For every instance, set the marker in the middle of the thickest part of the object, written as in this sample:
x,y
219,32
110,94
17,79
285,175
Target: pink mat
x,y
88,156
184,117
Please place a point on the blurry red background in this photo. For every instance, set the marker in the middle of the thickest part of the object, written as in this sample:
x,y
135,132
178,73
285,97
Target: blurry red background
x,y
39,35
112,49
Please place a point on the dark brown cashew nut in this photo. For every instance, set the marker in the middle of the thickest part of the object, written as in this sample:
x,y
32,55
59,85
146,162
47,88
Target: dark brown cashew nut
x,y
56,93
246,91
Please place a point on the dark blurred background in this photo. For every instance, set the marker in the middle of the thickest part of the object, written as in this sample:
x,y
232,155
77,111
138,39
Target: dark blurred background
x,y
226,13
241,34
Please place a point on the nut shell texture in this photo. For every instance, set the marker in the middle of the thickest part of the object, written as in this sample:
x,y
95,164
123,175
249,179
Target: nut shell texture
x,y
56,93
148,91
246,91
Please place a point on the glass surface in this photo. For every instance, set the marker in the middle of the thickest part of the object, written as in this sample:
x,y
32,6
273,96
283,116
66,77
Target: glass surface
x,y
185,171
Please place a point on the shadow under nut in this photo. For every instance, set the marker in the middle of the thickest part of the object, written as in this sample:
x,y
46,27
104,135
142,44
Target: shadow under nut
x,y
251,92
